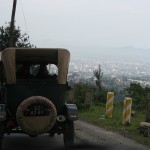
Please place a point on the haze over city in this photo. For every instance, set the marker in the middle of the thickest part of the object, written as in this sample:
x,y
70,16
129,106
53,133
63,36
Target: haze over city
x,y
114,33
82,25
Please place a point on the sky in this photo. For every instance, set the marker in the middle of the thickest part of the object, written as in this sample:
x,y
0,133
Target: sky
x,y
75,23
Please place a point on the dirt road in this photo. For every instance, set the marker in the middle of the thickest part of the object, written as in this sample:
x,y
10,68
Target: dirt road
x,y
90,134
88,137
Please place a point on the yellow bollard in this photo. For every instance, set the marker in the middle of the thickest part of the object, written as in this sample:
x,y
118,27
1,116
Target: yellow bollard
x,y
109,104
127,111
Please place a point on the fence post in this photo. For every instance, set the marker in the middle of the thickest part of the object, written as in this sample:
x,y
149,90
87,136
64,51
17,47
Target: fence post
x,y
127,111
109,104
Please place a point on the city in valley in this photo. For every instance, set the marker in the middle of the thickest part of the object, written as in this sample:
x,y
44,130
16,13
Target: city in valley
x,y
120,66
81,70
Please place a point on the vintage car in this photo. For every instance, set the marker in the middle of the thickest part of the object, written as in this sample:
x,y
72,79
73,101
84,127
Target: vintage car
x,y
32,94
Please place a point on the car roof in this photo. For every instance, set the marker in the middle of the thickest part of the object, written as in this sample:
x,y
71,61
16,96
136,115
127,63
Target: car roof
x,y
58,56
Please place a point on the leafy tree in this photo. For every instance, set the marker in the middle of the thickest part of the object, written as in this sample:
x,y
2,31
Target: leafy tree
x,y
135,90
98,75
139,94
19,40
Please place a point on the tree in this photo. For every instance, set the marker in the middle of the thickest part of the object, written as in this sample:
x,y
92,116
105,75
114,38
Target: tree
x,y
98,75
139,94
100,94
19,40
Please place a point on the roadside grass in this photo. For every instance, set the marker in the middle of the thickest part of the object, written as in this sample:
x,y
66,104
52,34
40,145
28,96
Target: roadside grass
x,y
95,114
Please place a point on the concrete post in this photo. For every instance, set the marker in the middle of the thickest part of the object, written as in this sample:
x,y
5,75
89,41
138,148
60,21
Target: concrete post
x,y
109,104
127,111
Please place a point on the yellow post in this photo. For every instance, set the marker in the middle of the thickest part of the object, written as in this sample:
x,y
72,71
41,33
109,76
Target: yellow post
x,y
127,110
109,104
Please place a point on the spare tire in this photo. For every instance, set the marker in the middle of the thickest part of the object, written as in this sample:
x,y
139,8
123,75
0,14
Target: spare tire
x,y
36,115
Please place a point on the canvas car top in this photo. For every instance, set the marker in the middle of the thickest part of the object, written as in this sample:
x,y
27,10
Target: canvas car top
x,y
57,56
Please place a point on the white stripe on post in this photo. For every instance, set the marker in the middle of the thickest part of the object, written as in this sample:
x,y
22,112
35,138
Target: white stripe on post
x,y
127,110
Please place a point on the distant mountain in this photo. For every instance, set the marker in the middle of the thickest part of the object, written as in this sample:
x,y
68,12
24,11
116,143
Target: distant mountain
x,y
121,53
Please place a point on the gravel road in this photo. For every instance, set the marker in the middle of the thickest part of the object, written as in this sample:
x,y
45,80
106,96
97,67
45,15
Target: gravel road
x,y
88,137
88,134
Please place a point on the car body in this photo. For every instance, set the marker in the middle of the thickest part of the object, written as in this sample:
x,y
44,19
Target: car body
x,y
33,104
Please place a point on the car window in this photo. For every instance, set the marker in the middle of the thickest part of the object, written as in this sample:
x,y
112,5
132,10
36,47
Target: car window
x,y
36,71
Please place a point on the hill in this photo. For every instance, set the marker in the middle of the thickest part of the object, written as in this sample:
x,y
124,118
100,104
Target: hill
x,y
119,54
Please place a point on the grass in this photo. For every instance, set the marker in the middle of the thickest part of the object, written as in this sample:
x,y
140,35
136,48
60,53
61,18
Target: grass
x,y
96,115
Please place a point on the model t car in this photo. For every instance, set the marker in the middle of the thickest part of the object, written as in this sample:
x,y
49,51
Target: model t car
x,y
33,86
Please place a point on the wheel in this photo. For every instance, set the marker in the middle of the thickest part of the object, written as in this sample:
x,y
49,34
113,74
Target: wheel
x,y
43,115
68,133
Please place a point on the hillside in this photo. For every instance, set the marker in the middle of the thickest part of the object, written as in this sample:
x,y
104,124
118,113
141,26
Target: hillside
x,y
120,53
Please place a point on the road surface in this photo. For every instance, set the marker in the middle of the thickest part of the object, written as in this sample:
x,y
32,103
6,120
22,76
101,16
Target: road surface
x,y
90,134
24,142
87,136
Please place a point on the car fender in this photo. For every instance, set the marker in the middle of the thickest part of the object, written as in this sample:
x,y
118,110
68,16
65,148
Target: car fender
x,y
71,112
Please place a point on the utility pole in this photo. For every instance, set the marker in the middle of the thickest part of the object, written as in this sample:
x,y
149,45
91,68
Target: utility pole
x,y
12,24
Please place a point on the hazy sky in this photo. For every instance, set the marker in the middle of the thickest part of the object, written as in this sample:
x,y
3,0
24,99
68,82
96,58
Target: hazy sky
x,y
69,23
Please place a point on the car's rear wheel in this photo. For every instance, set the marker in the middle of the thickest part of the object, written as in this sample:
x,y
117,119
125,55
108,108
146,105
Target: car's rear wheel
x,y
68,134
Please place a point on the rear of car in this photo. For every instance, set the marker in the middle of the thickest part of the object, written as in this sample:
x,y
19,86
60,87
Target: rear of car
x,y
33,101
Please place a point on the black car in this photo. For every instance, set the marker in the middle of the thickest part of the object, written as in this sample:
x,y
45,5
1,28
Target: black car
x,y
33,86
